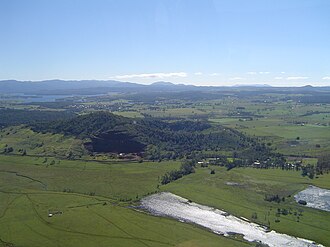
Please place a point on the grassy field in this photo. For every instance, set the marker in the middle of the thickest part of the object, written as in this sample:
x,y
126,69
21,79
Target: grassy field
x,y
95,199
178,112
87,221
21,138
130,114
242,192
92,201
120,180
289,139
290,128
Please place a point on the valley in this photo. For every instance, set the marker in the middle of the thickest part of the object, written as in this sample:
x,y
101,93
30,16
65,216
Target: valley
x,y
75,169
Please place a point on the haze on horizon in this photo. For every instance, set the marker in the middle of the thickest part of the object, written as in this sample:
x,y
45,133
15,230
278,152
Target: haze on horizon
x,y
200,42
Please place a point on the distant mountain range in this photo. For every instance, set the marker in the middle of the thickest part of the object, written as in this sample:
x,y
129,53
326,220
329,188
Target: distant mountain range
x,y
252,85
89,87
84,87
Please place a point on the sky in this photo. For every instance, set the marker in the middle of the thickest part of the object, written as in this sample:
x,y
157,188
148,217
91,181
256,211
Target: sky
x,y
200,42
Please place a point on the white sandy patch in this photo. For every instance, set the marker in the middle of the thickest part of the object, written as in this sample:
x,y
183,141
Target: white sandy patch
x,y
315,198
168,204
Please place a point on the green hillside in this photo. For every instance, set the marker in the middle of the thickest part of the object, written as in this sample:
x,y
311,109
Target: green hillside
x,y
155,139
24,141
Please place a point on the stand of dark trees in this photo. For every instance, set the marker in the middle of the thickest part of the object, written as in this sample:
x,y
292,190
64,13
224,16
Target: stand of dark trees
x,y
274,198
273,160
323,164
187,167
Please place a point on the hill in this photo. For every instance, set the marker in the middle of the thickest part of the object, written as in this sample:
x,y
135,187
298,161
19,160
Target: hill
x,y
105,132
20,140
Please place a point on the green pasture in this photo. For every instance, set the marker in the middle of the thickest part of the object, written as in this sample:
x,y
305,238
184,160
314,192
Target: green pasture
x,y
129,114
31,189
95,199
34,143
287,138
175,112
246,197
120,180
91,221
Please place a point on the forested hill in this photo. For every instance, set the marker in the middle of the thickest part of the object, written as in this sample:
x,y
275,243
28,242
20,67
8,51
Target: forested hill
x,y
9,117
153,138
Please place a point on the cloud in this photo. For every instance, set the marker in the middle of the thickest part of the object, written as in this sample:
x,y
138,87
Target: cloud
x,y
297,78
214,74
236,78
198,73
153,75
278,78
326,78
260,73
282,72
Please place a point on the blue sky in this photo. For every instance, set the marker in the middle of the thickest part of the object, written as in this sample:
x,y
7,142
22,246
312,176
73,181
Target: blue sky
x,y
201,42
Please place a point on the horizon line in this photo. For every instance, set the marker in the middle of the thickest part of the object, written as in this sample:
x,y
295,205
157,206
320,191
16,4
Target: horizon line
x,y
256,84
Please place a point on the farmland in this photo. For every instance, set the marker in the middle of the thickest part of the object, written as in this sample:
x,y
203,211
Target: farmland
x,y
93,198
93,194
250,186
165,123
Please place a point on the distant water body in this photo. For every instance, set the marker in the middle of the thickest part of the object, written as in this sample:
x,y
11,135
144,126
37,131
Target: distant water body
x,y
315,197
29,98
26,98
170,205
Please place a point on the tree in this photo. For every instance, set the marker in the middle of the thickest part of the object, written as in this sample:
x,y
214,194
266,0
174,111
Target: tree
x,y
323,163
308,171
8,150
